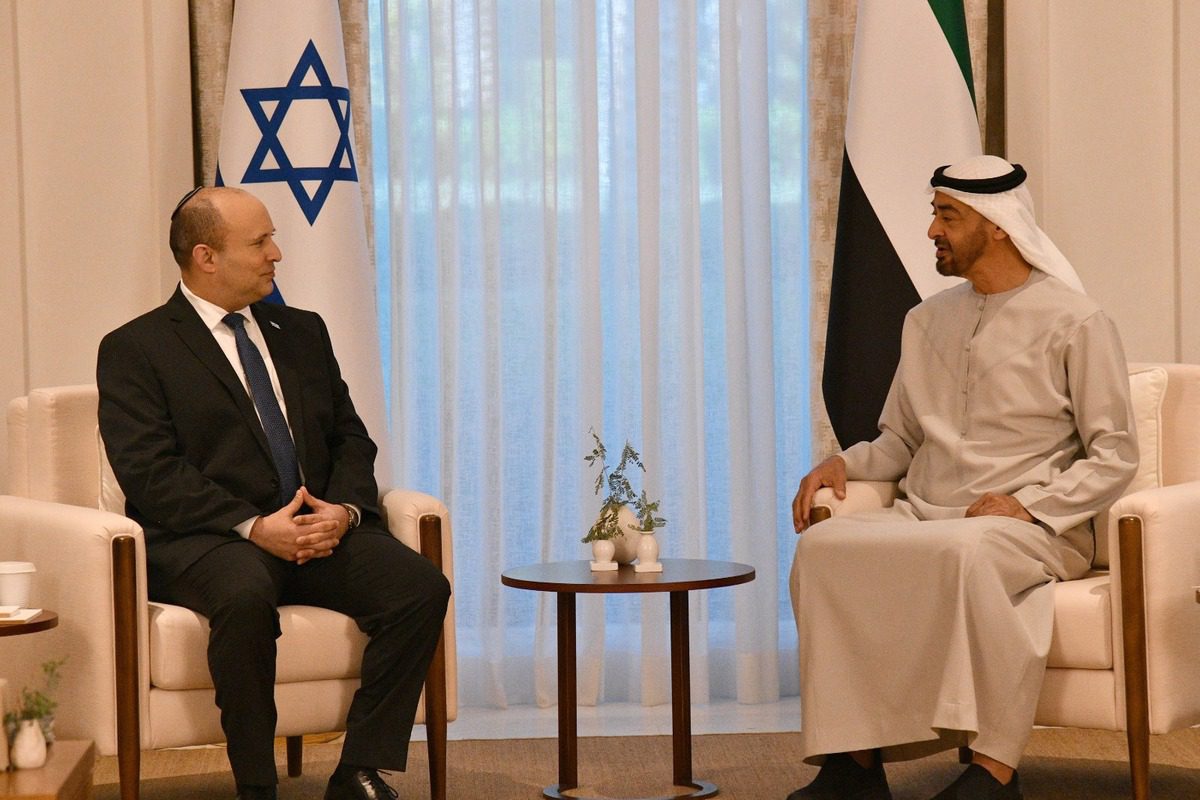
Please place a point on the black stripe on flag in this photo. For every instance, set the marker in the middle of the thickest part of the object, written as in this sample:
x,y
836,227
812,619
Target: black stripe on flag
x,y
869,296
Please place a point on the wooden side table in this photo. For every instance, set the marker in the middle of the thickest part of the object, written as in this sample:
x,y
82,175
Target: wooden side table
x,y
67,775
44,621
678,577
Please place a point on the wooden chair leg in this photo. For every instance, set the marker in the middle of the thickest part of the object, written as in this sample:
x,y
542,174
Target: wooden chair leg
x,y
435,680
1133,635
125,634
435,722
1139,763
295,756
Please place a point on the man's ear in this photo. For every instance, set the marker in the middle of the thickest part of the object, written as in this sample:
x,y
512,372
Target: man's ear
x,y
204,258
999,233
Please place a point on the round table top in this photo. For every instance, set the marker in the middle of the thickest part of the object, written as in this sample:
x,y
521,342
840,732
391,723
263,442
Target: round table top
x,y
678,574
42,622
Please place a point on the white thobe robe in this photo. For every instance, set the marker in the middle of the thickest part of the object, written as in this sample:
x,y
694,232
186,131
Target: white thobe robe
x,y
920,629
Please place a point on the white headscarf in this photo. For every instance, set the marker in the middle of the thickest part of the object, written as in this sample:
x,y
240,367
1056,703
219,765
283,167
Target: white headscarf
x,y
1011,208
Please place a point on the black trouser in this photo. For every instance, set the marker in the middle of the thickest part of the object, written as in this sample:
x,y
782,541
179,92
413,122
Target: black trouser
x,y
395,595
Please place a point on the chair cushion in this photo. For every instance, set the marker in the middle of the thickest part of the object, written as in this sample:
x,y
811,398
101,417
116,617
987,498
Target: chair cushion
x,y
112,497
61,463
1147,387
316,644
1082,624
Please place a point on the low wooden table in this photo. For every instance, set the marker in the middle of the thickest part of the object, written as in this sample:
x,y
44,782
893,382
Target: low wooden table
x,y
679,576
66,775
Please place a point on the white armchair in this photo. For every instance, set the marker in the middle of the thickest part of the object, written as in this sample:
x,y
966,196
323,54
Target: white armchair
x,y
1126,648
137,678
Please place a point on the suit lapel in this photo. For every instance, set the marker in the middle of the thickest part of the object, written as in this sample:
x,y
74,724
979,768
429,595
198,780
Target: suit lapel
x,y
199,339
286,360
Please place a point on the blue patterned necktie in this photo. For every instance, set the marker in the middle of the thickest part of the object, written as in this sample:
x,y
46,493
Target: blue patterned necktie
x,y
279,438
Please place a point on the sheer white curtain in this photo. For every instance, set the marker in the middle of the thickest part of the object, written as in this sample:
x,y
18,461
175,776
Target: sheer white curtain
x,y
591,213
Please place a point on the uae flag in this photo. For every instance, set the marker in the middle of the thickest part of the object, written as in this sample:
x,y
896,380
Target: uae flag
x,y
911,109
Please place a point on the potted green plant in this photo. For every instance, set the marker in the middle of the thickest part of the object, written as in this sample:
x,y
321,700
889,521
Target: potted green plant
x,y
623,511
38,705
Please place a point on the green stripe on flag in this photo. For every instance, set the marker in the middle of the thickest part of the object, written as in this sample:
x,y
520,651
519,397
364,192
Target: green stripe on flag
x,y
953,19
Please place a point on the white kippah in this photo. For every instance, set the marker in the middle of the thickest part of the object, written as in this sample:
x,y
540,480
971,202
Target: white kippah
x,y
975,181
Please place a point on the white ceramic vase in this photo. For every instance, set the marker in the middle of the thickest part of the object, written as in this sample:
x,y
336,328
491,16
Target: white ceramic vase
x,y
602,555
647,554
29,746
627,541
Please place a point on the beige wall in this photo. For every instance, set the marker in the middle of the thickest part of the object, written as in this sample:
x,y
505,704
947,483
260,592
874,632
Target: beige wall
x,y
1100,97
95,147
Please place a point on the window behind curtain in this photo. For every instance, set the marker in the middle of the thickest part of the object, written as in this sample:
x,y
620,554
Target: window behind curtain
x,y
548,264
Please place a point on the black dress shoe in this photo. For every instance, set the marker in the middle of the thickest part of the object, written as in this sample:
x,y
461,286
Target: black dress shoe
x,y
976,783
842,778
255,793
358,783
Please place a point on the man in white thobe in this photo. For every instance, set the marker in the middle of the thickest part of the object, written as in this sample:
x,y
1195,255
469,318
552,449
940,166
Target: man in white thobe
x,y
926,626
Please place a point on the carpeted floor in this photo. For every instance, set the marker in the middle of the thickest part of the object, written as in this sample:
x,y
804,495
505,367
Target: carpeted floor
x,y
1059,765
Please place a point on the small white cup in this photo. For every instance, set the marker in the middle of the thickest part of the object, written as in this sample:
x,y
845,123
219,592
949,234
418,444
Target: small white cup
x,y
16,579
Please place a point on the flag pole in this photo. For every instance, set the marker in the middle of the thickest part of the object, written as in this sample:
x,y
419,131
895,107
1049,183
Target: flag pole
x,y
995,125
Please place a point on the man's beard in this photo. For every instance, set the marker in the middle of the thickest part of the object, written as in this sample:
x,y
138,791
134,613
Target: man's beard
x,y
946,263
947,266
952,267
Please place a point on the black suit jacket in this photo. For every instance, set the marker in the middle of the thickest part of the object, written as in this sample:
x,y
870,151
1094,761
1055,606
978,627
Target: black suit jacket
x,y
185,442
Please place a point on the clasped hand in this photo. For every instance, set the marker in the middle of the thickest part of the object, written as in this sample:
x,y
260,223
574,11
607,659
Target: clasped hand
x,y
293,536
998,505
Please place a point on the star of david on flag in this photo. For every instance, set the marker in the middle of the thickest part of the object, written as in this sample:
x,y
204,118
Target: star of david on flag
x,y
286,138
269,108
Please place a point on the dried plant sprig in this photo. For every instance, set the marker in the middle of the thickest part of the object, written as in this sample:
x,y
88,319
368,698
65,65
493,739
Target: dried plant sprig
x,y
620,493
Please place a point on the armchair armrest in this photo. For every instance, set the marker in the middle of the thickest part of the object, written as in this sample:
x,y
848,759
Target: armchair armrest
x,y
73,549
413,517
1170,546
860,496
417,519
403,509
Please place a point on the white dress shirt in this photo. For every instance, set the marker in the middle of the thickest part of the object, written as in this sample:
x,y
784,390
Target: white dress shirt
x,y
212,315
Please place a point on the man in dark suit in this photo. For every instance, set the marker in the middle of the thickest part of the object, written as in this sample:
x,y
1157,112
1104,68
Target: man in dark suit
x,y
230,430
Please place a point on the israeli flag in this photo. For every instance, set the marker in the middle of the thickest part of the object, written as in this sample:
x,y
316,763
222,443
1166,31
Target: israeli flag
x,y
286,137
